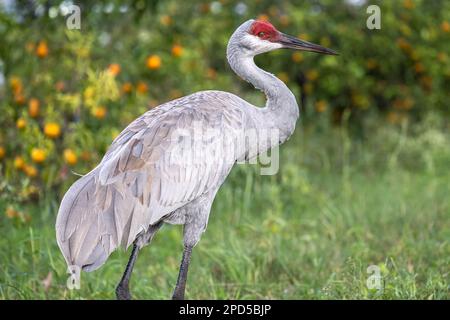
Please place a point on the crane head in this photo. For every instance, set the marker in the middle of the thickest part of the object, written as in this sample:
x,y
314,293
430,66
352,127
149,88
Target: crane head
x,y
262,36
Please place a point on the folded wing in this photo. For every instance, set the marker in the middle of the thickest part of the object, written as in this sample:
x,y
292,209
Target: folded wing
x,y
163,160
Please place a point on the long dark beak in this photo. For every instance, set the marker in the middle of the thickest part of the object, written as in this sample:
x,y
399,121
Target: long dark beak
x,y
293,43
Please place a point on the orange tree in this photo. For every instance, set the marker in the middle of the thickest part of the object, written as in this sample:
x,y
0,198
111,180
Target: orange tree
x,y
65,94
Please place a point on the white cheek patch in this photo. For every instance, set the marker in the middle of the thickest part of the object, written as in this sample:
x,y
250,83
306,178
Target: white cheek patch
x,y
257,46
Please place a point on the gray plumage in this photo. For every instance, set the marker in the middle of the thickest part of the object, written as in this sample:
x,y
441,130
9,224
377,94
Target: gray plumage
x,y
150,175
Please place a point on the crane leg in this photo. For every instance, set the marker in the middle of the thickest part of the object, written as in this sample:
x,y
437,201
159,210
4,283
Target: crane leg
x,y
192,233
123,289
178,293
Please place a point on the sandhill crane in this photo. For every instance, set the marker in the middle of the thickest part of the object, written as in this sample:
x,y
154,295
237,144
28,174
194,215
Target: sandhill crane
x,y
146,178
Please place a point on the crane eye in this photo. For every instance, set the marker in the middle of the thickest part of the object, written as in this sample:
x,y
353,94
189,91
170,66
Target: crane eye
x,y
261,34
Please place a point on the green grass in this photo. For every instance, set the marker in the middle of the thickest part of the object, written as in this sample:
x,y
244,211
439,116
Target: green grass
x,y
337,206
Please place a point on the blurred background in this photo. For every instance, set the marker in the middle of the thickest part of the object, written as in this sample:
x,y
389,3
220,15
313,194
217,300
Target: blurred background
x,y
363,181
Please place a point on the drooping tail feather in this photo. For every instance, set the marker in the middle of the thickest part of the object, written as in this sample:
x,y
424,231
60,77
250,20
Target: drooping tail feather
x,y
93,220
77,226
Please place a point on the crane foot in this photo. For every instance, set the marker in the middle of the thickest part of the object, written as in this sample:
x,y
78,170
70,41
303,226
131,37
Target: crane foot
x,y
178,296
123,293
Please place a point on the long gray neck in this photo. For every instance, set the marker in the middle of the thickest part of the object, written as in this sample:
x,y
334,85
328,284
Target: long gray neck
x,y
281,110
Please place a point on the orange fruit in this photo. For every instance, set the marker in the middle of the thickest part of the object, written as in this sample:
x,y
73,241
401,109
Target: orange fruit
x,y
297,57
33,107
263,17
2,152
21,123
16,83
30,171
114,69
153,62
99,112
19,163
445,26
11,213
177,50
312,75
127,87
70,157
52,130
38,155
42,49
19,98
142,87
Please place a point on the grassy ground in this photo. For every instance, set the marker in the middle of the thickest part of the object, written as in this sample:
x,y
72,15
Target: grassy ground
x,y
336,207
